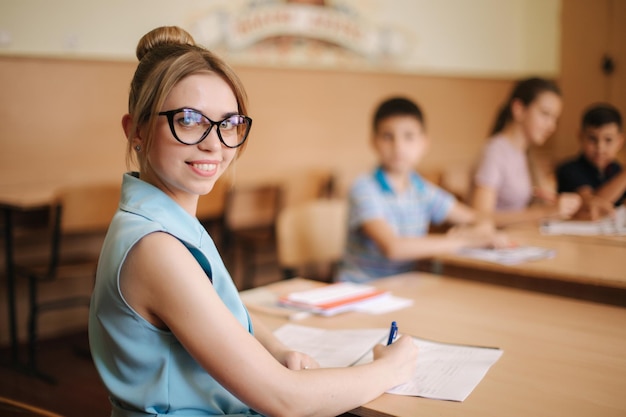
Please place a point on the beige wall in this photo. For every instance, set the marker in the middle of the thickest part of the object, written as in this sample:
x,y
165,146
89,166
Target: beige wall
x,y
582,80
60,119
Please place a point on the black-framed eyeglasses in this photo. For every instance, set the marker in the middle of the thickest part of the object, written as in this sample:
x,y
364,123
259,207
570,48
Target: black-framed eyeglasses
x,y
191,127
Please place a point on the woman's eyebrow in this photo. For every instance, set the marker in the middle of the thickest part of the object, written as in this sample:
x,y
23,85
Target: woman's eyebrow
x,y
229,114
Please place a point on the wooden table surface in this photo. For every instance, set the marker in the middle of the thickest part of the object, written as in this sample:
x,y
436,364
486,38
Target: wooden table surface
x,y
587,267
562,357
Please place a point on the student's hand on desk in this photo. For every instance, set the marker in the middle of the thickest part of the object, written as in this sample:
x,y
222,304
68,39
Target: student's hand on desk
x,y
297,361
568,204
402,355
483,234
595,208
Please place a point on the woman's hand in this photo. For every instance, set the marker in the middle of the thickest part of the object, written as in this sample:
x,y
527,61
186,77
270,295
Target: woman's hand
x,y
545,195
402,357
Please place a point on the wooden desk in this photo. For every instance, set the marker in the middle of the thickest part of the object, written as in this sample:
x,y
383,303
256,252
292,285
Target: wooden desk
x,y
592,269
562,357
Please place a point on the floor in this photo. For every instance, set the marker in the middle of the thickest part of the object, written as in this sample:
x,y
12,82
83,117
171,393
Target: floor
x,y
77,391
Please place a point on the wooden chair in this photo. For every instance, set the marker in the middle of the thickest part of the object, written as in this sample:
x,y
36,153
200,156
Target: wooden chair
x,y
311,238
79,212
10,407
250,213
457,179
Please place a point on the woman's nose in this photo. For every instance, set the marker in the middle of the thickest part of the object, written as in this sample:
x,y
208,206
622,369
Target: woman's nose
x,y
211,142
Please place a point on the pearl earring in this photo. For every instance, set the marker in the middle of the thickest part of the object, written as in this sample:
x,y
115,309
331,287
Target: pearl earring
x,y
137,148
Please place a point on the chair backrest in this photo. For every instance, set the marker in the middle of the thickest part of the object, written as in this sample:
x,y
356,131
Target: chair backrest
x,y
312,232
81,209
88,208
252,206
457,179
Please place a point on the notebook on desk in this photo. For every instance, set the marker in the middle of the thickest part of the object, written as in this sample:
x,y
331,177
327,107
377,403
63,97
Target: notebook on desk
x,y
610,226
509,256
332,299
299,304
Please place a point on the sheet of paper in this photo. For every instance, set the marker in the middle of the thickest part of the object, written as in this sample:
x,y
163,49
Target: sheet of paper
x,y
509,256
615,226
331,348
444,371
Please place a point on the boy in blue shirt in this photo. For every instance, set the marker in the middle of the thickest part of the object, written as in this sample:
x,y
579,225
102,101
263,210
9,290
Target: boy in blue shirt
x,y
595,174
391,209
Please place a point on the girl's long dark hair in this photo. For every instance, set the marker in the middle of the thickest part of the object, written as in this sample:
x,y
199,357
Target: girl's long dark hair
x,y
526,91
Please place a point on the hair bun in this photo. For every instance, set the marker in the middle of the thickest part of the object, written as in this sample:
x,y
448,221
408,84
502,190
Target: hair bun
x,y
160,36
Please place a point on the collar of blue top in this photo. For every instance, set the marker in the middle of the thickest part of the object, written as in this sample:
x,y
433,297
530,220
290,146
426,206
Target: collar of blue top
x,y
383,182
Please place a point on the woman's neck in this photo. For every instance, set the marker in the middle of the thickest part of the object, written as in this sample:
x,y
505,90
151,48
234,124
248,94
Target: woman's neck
x,y
189,202
515,136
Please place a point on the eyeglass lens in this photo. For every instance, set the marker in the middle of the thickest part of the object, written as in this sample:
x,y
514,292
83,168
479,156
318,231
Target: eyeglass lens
x,y
191,127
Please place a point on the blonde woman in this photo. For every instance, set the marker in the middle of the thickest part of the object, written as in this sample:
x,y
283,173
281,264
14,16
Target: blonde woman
x,y
168,332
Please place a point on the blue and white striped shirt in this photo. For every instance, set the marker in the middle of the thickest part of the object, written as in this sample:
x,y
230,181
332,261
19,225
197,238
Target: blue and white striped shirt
x,y
408,213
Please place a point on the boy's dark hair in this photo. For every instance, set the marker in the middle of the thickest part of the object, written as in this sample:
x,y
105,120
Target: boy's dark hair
x,y
601,114
397,106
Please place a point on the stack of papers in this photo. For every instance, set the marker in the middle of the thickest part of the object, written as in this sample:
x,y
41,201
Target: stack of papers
x,y
509,256
444,371
334,298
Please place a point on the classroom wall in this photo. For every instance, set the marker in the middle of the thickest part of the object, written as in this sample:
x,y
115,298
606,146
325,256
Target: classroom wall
x,y
61,119
582,78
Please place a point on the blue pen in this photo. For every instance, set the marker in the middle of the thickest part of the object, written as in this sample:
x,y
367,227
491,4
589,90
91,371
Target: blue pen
x,y
393,332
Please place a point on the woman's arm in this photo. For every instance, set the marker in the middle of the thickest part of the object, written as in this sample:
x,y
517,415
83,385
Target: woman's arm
x,y
287,357
163,282
484,201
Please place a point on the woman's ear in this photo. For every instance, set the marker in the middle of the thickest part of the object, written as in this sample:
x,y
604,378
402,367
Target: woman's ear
x,y
132,136
517,109
126,124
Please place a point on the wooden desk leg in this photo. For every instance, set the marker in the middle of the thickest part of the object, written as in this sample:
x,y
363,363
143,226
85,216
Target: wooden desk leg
x,y
10,277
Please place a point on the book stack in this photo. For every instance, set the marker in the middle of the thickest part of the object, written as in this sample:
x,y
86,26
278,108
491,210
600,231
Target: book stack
x,y
334,298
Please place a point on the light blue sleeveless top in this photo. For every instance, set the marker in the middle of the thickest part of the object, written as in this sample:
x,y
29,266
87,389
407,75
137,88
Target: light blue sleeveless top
x,y
146,370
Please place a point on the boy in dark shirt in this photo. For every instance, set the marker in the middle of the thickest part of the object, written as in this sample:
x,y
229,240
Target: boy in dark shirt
x,y
595,174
